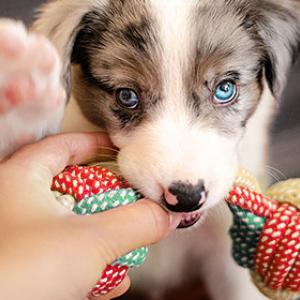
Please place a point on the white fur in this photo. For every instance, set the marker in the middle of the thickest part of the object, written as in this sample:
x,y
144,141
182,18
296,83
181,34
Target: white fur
x,y
253,149
174,19
171,149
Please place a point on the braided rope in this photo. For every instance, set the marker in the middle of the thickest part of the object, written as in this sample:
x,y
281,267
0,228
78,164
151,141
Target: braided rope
x,y
94,189
265,231
266,235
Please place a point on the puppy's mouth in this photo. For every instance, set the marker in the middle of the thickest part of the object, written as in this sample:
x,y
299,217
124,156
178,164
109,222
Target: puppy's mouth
x,y
189,219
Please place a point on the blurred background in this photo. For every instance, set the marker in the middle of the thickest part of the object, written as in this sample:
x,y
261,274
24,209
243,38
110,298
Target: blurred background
x,y
285,147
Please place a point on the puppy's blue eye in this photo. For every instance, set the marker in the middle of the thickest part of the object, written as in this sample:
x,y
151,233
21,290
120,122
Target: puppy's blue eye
x,y
127,98
225,92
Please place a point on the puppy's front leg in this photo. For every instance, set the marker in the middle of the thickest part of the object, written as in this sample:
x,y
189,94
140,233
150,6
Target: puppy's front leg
x,y
230,282
31,95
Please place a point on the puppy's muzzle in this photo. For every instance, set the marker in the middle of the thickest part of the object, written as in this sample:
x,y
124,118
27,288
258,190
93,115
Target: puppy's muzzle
x,y
184,197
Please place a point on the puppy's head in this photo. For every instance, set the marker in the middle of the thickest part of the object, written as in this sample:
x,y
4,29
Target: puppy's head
x,y
174,83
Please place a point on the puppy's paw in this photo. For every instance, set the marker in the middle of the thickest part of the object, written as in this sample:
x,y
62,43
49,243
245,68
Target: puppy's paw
x,y
29,70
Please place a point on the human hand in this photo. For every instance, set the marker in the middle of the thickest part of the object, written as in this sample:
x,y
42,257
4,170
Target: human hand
x,y
47,252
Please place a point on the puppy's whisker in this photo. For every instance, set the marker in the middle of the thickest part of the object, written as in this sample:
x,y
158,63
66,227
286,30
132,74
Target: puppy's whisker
x,y
106,158
110,149
279,172
273,176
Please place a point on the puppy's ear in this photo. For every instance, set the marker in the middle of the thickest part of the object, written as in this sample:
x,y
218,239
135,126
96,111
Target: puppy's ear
x,y
278,24
61,21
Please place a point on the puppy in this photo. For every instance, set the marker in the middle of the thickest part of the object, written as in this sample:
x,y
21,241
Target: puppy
x,y
186,90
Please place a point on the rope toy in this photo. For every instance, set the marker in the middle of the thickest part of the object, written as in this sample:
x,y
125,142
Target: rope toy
x,y
265,231
93,189
266,234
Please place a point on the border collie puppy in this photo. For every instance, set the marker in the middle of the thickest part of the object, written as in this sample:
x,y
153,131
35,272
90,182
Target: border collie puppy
x,y
185,89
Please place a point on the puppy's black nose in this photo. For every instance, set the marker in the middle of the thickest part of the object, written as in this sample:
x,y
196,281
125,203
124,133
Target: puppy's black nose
x,y
185,197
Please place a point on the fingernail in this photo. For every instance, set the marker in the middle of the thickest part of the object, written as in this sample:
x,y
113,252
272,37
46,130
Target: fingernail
x,y
174,221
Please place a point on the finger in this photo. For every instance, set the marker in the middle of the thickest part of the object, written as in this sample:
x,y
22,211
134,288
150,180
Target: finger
x,y
122,230
57,152
117,292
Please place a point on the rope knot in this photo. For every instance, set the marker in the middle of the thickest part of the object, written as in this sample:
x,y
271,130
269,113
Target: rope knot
x,y
266,234
92,189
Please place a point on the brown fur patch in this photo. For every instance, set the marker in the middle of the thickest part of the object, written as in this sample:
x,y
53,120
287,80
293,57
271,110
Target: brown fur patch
x,y
226,49
116,49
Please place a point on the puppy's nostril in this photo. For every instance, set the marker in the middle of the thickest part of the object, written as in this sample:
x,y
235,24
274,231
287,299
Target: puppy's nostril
x,y
185,197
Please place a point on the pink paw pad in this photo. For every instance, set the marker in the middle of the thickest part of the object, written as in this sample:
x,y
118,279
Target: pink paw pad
x,y
12,41
29,70
17,91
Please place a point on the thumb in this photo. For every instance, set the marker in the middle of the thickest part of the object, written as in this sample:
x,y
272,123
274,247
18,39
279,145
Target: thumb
x,y
124,229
